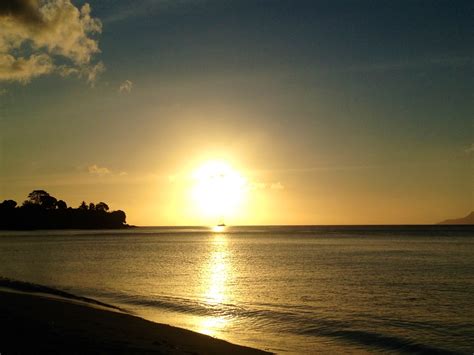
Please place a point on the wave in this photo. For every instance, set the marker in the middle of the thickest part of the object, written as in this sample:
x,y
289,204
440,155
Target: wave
x,y
292,319
21,286
379,340
281,319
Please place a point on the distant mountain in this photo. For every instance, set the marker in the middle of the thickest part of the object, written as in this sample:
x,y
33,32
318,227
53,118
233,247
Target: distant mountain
x,y
469,219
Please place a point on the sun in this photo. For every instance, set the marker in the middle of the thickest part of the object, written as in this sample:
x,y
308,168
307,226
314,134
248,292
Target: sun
x,y
218,191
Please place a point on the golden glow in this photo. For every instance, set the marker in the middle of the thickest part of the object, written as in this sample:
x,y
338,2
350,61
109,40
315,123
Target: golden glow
x,y
215,282
211,325
218,190
218,229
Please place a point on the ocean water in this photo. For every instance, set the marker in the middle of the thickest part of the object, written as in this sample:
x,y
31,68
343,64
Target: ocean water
x,y
284,289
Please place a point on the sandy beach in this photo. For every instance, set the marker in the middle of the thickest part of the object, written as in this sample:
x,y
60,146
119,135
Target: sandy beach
x,y
39,322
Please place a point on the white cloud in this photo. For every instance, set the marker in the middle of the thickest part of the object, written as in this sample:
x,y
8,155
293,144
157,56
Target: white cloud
x,y
98,170
101,171
89,72
36,34
24,69
126,86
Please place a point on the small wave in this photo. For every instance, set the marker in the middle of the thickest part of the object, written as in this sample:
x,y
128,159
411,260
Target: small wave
x,y
378,340
28,287
282,319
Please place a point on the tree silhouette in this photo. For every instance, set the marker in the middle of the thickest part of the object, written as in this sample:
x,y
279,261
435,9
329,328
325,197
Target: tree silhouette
x,y
41,198
8,204
43,211
61,205
118,216
35,196
48,202
102,206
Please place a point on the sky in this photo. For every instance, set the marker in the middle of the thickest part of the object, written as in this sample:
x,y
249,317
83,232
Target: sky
x,y
329,112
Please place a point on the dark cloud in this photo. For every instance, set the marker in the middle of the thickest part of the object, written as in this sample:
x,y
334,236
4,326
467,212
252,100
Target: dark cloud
x,y
26,11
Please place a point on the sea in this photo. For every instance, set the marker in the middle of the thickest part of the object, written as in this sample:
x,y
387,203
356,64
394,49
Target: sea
x,y
285,289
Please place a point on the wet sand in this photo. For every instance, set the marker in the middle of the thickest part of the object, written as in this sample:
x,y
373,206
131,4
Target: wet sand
x,y
41,323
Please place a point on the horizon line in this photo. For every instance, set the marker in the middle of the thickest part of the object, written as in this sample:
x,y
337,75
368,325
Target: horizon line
x,y
302,225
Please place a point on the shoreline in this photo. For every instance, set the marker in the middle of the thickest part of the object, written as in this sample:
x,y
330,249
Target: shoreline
x,y
39,319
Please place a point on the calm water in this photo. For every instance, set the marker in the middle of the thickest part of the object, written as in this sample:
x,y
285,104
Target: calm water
x,y
298,289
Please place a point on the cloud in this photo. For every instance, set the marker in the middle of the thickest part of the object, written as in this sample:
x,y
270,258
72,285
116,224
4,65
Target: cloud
x,y
39,37
277,186
470,149
256,185
24,69
89,72
98,170
126,86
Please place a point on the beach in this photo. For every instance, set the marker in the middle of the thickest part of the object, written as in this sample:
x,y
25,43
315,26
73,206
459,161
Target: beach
x,y
47,323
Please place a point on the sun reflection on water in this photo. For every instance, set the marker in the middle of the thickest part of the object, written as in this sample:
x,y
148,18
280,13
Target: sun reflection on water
x,y
217,271
215,283
212,325
218,229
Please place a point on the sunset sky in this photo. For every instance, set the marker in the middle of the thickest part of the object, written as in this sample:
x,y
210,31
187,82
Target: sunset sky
x,y
324,112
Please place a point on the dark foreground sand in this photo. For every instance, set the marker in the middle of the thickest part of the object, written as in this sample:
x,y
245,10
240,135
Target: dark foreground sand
x,y
35,323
